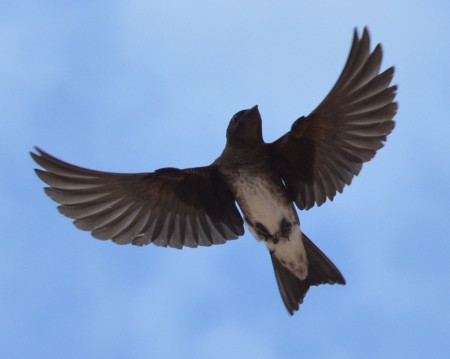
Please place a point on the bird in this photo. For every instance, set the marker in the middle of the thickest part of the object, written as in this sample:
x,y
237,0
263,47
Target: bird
x,y
308,165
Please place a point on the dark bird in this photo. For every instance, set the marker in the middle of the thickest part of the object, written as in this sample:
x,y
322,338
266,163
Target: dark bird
x,y
197,206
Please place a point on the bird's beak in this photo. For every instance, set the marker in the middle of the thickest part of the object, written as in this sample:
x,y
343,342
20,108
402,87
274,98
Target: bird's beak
x,y
252,110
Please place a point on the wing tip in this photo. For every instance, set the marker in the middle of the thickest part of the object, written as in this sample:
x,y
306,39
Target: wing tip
x,y
36,156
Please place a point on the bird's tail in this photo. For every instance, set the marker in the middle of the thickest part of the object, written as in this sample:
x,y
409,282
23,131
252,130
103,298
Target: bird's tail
x,y
320,271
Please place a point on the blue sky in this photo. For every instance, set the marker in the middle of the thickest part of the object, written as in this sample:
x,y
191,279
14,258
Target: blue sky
x,y
131,86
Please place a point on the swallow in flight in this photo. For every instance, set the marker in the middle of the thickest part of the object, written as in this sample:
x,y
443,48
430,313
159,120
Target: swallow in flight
x,y
193,207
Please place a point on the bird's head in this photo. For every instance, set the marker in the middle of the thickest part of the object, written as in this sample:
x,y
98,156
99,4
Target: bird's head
x,y
245,128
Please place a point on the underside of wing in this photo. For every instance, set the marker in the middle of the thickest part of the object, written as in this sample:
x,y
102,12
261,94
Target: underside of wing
x,y
169,207
325,150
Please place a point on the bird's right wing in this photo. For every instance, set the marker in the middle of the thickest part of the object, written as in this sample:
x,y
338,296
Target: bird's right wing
x,y
169,207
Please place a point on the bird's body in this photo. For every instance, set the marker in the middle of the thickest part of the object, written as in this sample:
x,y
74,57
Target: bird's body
x,y
197,206
268,211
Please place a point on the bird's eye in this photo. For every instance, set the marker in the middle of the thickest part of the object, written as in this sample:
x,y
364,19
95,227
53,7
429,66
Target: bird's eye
x,y
237,116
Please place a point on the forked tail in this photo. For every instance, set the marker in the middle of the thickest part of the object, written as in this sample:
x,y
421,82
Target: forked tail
x,y
320,271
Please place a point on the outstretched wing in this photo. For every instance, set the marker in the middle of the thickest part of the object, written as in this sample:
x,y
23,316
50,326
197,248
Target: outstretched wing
x,y
169,207
325,150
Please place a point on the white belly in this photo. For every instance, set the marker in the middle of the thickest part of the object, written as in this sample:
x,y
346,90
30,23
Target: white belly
x,y
262,205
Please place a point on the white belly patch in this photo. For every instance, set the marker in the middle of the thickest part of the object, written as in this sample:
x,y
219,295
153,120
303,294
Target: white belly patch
x,y
262,206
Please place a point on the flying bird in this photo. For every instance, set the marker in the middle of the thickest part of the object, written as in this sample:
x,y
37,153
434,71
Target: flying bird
x,y
193,207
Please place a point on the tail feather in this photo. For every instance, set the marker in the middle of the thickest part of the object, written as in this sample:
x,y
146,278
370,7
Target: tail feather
x,y
320,271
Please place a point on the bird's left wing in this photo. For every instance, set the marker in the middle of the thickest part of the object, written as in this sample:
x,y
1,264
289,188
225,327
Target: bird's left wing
x,y
168,207
325,150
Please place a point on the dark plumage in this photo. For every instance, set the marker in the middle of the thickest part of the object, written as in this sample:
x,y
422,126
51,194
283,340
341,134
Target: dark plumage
x,y
197,206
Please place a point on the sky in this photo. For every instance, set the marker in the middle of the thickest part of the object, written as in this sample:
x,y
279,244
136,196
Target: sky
x,y
132,86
